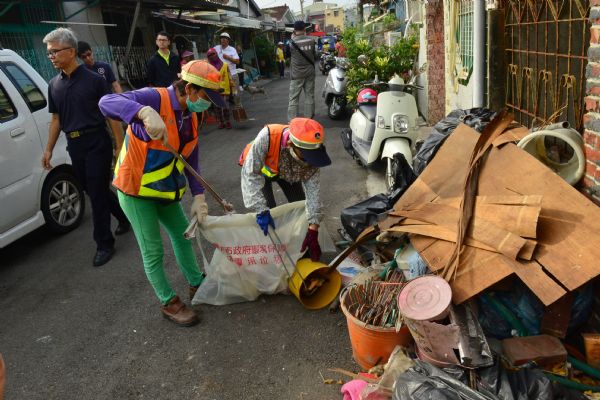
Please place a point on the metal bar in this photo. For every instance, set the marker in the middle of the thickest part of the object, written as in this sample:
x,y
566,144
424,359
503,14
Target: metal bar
x,y
136,13
8,7
92,4
548,22
228,207
541,53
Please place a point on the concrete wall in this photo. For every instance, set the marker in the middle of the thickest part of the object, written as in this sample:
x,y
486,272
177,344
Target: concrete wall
x,y
94,35
591,120
336,21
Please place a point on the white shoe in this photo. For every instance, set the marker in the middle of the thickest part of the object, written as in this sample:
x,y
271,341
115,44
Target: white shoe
x,y
241,89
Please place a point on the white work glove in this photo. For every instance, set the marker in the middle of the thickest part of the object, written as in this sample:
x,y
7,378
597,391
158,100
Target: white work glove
x,y
199,208
155,126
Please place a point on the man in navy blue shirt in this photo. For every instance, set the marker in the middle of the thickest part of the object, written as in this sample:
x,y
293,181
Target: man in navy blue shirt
x,y
163,67
73,97
85,53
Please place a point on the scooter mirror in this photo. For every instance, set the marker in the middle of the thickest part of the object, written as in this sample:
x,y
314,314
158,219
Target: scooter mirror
x,y
362,59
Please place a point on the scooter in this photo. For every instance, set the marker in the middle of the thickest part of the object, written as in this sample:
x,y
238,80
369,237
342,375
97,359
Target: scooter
x,y
334,90
378,131
326,62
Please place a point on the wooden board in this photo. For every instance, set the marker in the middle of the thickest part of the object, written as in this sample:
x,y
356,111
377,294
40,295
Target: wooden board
x,y
568,250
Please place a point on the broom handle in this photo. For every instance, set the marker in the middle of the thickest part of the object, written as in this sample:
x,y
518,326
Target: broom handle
x,y
228,207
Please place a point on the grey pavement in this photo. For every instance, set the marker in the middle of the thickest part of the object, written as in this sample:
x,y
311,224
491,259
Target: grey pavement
x,y
71,331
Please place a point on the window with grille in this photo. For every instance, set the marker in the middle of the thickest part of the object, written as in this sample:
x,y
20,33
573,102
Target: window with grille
x,y
465,40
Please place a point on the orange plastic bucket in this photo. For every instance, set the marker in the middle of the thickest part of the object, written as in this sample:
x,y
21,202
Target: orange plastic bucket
x,y
372,345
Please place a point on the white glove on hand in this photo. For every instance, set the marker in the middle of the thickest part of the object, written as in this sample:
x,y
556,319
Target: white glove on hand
x,y
199,208
155,126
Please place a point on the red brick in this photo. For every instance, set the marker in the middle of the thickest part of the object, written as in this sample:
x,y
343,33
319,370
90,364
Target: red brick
x,y
588,182
595,35
592,154
591,138
591,103
591,169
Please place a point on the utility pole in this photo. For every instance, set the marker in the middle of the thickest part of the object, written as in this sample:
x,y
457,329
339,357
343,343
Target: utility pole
x,y
360,12
302,9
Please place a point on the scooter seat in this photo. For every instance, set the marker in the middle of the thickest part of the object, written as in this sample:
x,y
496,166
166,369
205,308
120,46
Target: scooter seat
x,y
369,111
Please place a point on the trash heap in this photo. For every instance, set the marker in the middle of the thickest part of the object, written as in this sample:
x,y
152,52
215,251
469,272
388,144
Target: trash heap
x,y
498,256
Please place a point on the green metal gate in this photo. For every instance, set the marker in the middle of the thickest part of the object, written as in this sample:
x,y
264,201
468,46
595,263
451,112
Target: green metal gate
x,y
21,30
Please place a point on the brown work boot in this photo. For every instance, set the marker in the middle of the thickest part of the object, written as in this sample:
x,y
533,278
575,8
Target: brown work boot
x,y
192,291
179,313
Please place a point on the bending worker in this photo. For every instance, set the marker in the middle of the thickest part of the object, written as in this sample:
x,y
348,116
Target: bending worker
x,y
150,179
290,155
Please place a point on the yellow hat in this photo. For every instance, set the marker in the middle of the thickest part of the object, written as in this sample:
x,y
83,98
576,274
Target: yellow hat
x,y
201,73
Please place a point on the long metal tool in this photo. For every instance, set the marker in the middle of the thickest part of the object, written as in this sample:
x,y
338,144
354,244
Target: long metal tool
x,y
280,246
227,206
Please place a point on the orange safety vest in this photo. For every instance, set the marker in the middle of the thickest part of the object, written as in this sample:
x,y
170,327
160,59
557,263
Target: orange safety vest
x,y
271,167
148,169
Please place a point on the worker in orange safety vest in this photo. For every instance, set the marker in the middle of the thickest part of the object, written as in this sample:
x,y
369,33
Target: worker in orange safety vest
x,y
290,155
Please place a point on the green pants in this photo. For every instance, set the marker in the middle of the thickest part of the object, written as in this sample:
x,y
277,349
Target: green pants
x,y
146,216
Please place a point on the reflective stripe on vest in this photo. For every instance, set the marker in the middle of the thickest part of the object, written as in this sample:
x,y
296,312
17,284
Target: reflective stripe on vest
x,y
271,166
148,169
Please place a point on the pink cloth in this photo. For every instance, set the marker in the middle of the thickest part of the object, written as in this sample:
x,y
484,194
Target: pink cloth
x,y
351,390
214,61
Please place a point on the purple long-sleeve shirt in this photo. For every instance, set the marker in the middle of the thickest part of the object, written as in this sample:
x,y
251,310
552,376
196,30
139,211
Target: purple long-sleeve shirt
x,y
125,106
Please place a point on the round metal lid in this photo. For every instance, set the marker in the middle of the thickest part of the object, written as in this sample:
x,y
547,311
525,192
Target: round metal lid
x,y
426,298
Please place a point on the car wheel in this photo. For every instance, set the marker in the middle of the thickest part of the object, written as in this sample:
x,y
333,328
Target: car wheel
x,y
63,203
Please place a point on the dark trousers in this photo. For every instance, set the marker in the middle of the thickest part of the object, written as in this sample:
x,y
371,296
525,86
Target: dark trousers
x,y
291,191
91,155
281,66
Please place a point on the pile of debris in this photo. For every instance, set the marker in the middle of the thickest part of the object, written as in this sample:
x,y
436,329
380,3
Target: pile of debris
x,y
509,251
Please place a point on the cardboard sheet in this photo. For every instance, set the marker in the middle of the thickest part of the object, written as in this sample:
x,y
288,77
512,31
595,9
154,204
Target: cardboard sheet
x,y
568,250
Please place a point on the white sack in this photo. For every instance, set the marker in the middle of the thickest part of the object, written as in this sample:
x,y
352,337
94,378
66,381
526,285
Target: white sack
x,y
245,263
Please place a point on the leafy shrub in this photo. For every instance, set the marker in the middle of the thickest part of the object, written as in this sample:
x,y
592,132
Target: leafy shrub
x,y
265,53
382,60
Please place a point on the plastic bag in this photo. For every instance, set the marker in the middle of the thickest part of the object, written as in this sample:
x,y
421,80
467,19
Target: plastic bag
x,y
360,216
426,382
245,263
476,118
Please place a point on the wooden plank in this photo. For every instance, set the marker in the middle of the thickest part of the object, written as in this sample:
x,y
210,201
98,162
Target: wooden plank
x,y
439,214
568,233
568,241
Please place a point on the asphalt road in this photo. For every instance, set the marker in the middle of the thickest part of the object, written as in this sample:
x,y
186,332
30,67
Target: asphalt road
x,y
71,331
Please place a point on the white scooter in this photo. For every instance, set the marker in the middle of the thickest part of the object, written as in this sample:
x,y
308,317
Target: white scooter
x,y
378,131
334,90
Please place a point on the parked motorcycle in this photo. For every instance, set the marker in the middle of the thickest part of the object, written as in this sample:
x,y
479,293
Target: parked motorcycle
x,y
384,124
326,62
334,90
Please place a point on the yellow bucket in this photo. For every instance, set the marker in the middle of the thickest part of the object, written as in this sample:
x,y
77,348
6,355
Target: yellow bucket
x,y
307,269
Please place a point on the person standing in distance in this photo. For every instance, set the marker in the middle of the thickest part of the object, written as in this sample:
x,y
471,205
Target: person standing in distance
x,y
85,53
302,71
229,55
73,97
163,67
280,58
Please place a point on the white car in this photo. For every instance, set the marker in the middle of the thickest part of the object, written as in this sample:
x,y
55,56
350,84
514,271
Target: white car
x,y
30,196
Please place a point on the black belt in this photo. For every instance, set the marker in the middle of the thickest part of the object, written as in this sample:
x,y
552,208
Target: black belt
x,y
86,131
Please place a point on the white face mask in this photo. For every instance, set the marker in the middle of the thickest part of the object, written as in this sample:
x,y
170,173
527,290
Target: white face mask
x,y
298,159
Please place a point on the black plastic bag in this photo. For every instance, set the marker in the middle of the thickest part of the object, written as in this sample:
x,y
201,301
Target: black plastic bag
x,y
476,118
427,382
360,216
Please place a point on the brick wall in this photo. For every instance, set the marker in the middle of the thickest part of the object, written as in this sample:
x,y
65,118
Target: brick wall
x,y
435,61
591,120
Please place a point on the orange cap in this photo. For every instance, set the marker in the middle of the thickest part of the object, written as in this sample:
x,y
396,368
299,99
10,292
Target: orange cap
x,y
308,135
201,73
